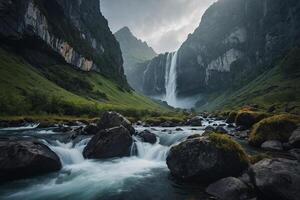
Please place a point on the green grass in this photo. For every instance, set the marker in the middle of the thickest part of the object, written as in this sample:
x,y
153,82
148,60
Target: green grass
x,y
63,90
279,87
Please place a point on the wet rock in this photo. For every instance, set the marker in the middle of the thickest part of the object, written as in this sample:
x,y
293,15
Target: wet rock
x,y
286,146
243,134
241,128
294,140
202,159
295,153
272,145
215,124
168,124
230,126
114,119
221,129
278,178
109,143
195,121
24,159
193,136
210,129
230,189
178,129
148,137
91,129
249,118
62,129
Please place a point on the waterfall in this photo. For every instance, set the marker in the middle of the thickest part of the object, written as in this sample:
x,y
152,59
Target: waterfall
x,y
170,79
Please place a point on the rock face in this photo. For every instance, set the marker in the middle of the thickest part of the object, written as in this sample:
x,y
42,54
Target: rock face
x,y
278,178
23,159
114,142
233,41
230,189
272,145
135,52
114,119
203,160
295,138
148,137
68,29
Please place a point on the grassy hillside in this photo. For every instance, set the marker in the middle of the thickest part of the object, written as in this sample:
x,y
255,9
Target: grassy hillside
x,y
279,87
63,90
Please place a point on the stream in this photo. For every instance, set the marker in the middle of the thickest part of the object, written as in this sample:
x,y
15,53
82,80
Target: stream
x,y
142,176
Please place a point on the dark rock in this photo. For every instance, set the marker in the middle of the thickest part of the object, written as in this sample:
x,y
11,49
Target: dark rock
x,y
148,137
178,129
114,119
168,124
241,128
230,189
24,159
221,129
195,121
278,178
271,109
202,160
114,142
193,136
215,124
210,129
295,153
62,129
91,129
272,145
230,126
295,138
286,146
243,134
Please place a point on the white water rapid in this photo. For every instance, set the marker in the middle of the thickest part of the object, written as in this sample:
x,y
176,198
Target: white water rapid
x,y
170,79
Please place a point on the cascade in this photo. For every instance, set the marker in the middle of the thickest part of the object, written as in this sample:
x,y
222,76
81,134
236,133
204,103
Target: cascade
x,y
170,79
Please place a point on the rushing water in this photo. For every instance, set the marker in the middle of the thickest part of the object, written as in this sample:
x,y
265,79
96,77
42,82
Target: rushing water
x,y
170,79
144,175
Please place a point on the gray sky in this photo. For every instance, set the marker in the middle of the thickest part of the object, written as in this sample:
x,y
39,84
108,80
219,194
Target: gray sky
x,y
163,24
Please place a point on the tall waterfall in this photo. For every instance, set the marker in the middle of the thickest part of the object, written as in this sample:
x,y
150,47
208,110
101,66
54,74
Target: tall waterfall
x,y
170,79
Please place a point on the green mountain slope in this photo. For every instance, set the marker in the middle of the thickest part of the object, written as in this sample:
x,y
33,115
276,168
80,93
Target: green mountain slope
x,y
62,89
279,87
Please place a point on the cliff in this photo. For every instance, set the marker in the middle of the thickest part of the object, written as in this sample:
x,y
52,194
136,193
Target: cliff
x,y
75,31
134,53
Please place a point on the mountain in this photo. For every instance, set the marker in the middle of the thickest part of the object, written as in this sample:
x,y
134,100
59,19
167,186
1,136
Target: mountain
x,y
134,53
236,41
60,57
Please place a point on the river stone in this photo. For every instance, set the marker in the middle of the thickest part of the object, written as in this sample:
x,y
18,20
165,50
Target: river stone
x,y
109,143
295,138
195,121
201,160
295,153
277,177
24,159
114,119
230,188
272,145
91,129
148,137
221,129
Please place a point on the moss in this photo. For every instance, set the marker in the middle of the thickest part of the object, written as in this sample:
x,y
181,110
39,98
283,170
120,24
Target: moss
x,y
258,157
231,117
225,143
278,127
249,118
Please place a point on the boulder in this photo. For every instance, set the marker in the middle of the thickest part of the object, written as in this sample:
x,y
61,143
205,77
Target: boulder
x,y
272,145
91,129
207,159
230,126
24,159
249,118
109,143
277,177
230,188
295,153
114,119
148,137
168,124
193,136
178,129
209,129
195,121
294,140
221,129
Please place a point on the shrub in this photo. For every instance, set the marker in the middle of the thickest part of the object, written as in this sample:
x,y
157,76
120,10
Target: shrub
x,y
249,118
278,127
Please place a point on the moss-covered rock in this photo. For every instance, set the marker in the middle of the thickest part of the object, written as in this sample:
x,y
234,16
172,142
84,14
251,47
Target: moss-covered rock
x,y
278,127
207,159
231,117
249,118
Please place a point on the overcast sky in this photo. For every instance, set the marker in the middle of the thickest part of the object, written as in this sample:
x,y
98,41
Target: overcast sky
x,y
163,24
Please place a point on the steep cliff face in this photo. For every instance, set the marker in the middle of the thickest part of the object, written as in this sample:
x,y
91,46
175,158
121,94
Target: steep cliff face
x,y
235,41
135,52
75,30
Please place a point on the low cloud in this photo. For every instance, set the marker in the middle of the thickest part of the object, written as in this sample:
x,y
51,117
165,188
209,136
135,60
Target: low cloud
x,y
163,24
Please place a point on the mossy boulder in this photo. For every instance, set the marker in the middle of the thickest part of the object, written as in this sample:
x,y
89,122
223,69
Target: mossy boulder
x,y
249,118
231,117
278,127
207,159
